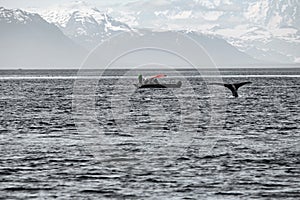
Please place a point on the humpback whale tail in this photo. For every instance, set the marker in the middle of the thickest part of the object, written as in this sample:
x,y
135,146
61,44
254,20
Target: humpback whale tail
x,y
232,87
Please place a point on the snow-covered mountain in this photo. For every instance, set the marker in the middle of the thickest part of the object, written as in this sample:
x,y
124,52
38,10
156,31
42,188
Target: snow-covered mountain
x,y
27,40
18,16
83,23
265,29
36,43
88,26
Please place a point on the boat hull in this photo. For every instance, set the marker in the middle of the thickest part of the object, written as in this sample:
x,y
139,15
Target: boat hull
x,y
160,86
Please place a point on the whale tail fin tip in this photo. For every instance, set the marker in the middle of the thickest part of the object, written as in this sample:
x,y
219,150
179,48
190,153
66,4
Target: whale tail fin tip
x,y
232,87
238,85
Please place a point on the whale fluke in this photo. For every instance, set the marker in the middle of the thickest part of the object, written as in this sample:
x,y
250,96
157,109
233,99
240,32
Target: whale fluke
x,y
232,87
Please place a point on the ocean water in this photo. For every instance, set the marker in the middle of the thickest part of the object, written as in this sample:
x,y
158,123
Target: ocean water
x,y
67,136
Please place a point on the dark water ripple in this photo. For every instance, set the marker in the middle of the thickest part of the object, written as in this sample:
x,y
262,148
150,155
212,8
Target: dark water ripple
x,y
256,153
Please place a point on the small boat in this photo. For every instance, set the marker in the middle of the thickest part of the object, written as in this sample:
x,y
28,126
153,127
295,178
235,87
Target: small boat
x,y
160,85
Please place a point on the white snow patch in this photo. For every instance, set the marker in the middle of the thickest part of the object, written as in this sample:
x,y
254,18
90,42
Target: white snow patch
x,y
284,32
182,15
275,21
213,15
297,60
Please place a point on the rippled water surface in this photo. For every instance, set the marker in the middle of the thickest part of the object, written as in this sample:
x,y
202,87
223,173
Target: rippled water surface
x,y
61,139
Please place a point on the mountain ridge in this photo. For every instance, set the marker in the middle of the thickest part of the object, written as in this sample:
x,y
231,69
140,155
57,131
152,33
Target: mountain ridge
x,y
84,24
247,25
28,41
54,48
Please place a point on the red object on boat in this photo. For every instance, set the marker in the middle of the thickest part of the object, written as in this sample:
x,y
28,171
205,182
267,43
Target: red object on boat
x,y
158,76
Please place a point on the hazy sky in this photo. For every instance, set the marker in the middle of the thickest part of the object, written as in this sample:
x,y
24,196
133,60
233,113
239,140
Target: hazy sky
x,y
47,3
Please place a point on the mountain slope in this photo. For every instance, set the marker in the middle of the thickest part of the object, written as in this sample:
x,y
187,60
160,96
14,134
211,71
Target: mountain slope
x,y
84,24
257,27
88,26
222,53
169,48
28,41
